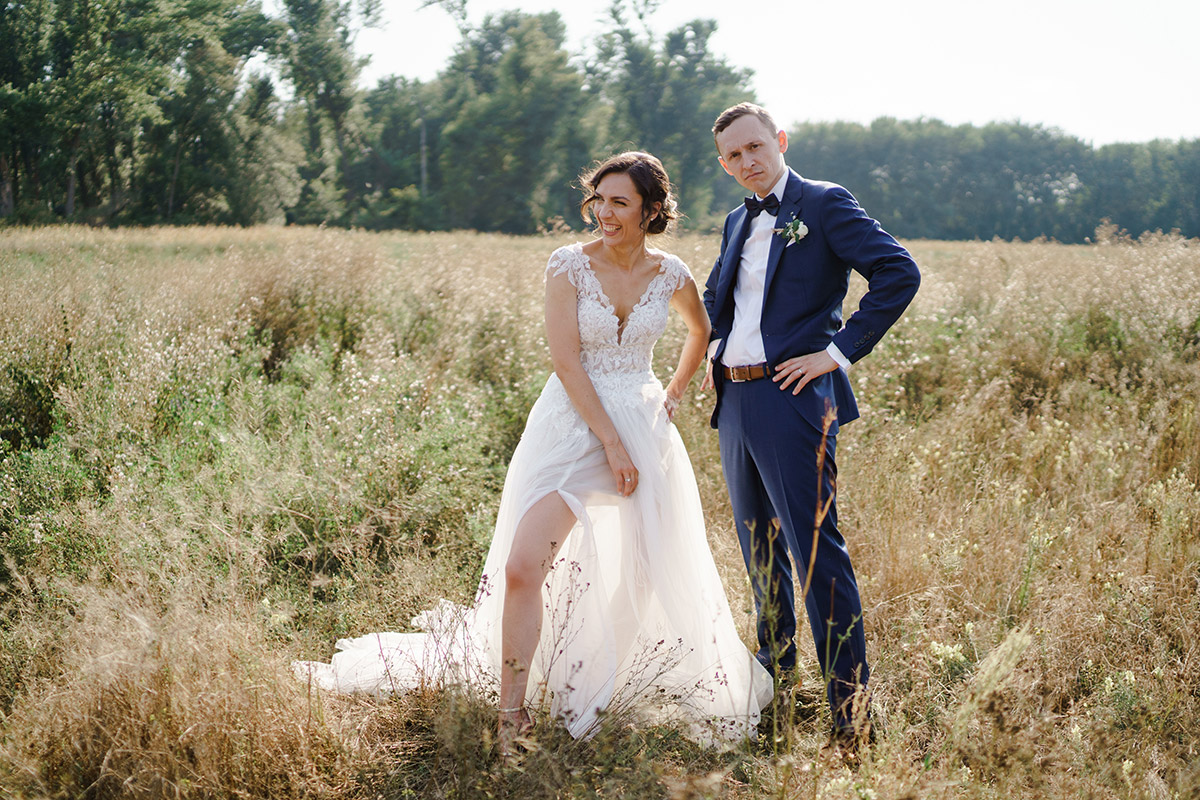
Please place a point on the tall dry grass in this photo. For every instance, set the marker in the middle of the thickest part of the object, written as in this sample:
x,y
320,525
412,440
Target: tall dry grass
x,y
222,449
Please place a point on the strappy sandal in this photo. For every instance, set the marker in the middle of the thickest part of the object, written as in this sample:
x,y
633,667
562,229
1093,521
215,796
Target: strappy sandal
x,y
513,730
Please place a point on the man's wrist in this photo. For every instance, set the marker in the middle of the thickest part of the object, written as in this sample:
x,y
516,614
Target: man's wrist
x,y
837,356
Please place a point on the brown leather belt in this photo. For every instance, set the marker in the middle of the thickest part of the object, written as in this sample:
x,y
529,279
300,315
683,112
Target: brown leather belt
x,y
748,373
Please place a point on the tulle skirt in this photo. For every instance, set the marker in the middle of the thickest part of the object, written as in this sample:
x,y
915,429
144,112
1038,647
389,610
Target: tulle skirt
x,y
635,619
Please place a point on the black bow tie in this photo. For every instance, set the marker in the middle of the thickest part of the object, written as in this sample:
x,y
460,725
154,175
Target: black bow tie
x,y
769,205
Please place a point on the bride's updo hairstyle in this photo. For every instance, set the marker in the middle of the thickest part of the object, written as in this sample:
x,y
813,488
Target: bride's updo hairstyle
x,y
650,178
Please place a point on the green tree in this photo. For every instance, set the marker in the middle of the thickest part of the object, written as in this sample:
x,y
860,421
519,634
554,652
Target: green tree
x,y
24,32
122,111
664,98
108,61
925,179
262,181
323,70
509,154
388,184
214,139
1184,190
1148,186
131,110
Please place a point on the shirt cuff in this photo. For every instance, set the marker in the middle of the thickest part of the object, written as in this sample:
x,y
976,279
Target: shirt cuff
x,y
837,356
712,348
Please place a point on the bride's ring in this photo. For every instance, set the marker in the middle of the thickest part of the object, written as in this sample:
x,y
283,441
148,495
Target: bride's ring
x,y
629,480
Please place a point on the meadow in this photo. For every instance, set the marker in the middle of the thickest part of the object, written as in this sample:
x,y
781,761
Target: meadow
x,y
223,449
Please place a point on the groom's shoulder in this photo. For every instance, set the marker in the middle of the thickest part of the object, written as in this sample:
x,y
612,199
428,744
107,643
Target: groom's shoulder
x,y
819,189
734,214
829,197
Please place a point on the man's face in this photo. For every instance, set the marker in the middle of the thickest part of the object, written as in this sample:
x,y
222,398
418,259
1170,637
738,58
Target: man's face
x,y
752,153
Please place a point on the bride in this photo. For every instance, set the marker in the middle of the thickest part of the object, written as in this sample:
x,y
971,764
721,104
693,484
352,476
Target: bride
x,y
599,593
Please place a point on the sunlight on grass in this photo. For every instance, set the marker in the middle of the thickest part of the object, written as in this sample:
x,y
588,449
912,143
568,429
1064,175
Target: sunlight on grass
x,y
222,449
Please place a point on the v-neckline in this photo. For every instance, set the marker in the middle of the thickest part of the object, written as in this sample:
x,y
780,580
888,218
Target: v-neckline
x,y
608,303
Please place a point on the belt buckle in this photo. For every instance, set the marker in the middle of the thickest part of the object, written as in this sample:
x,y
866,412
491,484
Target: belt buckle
x,y
734,372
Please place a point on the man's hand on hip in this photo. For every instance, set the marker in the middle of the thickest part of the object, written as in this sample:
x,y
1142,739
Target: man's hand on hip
x,y
802,369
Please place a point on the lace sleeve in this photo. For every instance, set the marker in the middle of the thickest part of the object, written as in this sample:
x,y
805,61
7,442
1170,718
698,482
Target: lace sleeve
x,y
560,262
677,271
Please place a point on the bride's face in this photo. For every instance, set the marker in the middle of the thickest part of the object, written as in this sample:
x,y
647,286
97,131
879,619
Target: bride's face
x,y
618,210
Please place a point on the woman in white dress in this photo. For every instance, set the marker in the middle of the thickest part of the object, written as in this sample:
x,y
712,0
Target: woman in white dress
x,y
599,592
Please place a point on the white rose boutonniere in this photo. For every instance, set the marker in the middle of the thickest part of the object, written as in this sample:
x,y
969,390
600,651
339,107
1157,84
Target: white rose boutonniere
x,y
793,231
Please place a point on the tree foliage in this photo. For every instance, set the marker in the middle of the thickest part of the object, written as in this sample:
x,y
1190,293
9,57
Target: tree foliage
x,y
214,111
925,179
664,97
505,151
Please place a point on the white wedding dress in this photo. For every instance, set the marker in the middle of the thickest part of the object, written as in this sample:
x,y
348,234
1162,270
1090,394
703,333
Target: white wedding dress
x,y
635,617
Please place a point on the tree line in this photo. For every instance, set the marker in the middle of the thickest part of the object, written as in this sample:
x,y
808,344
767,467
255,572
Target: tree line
x,y
927,179
217,112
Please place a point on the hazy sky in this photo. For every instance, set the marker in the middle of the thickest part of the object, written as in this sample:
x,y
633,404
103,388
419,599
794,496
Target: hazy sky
x,y
1102,70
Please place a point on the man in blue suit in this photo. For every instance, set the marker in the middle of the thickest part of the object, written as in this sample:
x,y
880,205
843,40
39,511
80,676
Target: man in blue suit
x,y
778,361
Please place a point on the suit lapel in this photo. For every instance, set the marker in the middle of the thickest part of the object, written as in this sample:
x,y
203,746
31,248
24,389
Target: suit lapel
x,y
732,259
789,209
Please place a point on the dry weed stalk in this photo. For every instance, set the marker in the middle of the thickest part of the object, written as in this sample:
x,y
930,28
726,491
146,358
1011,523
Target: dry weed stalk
x,y
188,704
256,441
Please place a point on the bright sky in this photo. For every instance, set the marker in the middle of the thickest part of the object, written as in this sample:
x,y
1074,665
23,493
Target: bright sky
x,y
1103,70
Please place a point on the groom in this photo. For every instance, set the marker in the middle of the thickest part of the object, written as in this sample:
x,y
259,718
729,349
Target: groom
x,y
778,359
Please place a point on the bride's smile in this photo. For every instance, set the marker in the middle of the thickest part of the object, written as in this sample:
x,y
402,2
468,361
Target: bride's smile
x,y
620,215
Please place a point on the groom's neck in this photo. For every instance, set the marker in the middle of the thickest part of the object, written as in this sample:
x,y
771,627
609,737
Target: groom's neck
x,y
778,182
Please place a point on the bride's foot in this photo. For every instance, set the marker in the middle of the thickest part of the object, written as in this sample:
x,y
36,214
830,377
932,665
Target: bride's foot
x,y
514,725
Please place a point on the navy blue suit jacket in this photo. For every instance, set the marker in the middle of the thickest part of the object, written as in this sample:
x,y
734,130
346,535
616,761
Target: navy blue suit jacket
x,y
806,283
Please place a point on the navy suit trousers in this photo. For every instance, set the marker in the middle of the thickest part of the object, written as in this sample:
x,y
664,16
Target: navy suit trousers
x,y
769,454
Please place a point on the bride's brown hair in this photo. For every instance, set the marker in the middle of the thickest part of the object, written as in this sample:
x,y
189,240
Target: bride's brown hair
x,y
650,178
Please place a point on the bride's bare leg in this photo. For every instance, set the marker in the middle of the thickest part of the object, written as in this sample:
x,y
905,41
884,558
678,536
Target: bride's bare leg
x,y
538,536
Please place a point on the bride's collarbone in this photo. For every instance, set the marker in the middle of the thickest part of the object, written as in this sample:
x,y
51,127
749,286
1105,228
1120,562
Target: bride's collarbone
x,y
626,287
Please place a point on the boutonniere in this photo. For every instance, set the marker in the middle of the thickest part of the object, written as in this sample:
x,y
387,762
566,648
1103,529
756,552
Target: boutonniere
x,y
794,231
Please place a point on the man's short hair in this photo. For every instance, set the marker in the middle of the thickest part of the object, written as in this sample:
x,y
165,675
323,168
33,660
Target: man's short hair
x,y
729,115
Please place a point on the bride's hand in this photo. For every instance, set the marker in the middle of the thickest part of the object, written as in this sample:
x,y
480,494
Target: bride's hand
x,y
671,404
622,468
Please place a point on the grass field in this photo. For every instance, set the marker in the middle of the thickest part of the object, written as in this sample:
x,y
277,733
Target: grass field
x,y
222,449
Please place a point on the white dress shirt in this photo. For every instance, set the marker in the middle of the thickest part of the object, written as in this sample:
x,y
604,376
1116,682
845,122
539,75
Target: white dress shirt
x,y
745,345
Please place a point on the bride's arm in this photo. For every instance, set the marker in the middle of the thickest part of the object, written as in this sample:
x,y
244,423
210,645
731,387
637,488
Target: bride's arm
x,y
686,301
562,332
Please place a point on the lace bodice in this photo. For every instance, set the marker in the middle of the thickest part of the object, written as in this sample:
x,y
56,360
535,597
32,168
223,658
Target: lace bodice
x,y
606,351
